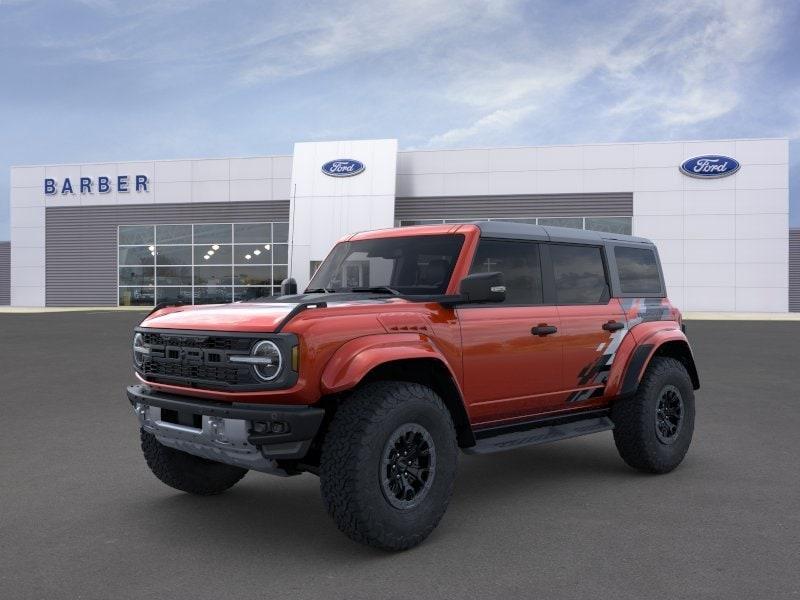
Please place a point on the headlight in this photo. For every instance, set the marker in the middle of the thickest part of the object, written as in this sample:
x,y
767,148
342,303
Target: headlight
x,y
270,362
139,350
265,358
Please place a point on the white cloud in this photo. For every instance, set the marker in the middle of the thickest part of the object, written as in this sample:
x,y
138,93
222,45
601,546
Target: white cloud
x,y
674,64
478,66
707,62
498,120
133,32
303,41
124,8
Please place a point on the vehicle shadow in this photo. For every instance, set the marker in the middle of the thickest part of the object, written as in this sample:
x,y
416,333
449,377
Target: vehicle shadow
x,y
483,476
286,518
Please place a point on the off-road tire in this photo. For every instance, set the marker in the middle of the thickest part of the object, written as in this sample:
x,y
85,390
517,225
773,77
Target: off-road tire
x,y
635,419
186,472
351,463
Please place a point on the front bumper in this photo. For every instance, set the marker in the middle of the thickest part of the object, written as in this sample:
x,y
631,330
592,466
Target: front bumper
x,y
252,436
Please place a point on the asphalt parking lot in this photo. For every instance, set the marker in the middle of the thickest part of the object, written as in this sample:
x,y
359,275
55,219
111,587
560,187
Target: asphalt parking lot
x,y
82,517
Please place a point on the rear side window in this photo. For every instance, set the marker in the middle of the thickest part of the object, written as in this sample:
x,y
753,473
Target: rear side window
x,y
638,271
580,277
519,264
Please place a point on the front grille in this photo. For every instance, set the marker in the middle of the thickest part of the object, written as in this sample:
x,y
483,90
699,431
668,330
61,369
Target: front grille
x,y
212,342
195,373
197,360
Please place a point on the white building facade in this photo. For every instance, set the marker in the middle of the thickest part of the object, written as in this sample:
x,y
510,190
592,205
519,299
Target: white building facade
x,y
217,230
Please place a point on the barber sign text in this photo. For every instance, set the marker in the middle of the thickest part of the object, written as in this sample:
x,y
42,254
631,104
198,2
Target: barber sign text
x,y
96,185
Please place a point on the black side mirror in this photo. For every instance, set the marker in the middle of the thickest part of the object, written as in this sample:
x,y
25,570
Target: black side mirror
x,y
483,287
288,287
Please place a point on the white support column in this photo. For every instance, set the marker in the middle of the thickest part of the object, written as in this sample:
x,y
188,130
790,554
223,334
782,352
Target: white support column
x,y
326,208
27,236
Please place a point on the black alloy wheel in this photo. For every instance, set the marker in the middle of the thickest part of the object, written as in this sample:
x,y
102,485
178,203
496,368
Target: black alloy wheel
x,y
408,466
669,414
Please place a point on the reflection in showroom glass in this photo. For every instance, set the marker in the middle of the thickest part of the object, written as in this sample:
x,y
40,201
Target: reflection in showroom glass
x,y
200,263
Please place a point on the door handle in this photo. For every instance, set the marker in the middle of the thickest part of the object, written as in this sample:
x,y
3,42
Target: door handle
x,y
543,329
613,326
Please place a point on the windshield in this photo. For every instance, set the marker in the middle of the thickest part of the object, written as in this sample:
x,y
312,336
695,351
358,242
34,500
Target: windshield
x,y
412,265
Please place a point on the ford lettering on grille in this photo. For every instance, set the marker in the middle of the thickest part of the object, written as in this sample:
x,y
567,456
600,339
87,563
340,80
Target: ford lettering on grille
x,y
210,361
196,358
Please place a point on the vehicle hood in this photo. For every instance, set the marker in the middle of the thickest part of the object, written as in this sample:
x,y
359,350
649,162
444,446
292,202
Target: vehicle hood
x,y
261,317
221,317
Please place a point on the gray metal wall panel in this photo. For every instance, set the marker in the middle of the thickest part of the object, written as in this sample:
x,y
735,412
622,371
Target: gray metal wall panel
x,y
485,207
5,273
81,253
794,270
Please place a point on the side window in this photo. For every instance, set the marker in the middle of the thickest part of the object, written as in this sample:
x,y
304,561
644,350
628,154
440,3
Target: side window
x,y
519,264
638,271
579,274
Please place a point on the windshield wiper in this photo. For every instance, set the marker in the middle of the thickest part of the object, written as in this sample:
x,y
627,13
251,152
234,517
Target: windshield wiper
x,y
319,291
378,289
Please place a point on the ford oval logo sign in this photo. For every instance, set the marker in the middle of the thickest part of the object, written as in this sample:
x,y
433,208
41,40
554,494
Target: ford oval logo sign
x,y
710,166
343,167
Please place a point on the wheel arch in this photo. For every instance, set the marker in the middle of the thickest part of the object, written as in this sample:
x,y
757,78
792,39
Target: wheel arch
x,y
433,373
673,347
680,350
403,357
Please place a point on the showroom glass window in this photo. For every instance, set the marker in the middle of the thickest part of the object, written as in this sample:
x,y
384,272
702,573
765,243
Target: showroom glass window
x,y
605,224
201,263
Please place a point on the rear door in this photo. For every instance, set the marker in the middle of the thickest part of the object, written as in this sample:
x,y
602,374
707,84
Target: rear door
x,y
592,324
509,370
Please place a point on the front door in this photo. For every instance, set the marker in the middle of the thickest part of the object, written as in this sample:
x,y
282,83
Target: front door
x,y
511,351
592,324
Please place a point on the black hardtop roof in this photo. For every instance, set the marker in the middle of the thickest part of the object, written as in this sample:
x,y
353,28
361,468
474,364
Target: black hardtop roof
x,y
526,231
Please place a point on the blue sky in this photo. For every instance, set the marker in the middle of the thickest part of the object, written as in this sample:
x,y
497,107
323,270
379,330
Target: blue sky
x,y
100,80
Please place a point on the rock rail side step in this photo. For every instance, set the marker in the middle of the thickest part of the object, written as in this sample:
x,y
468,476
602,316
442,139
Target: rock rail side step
x,y
540,431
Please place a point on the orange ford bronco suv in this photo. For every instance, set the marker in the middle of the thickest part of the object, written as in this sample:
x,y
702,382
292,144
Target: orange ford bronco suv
x,y
408,346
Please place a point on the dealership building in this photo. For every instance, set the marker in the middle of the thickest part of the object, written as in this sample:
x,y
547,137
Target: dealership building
x,y
225,229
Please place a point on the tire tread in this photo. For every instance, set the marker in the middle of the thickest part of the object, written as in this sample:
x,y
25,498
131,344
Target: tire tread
x,y
188,473
343,455
634,430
